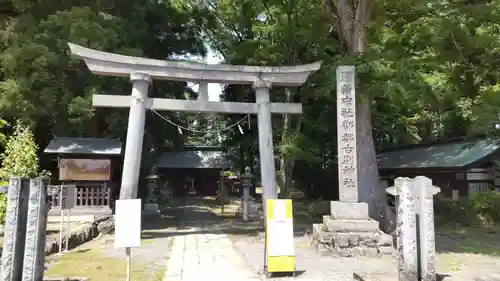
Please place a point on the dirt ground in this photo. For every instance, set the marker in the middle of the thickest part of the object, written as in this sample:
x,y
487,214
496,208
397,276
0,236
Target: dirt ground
x,y
463,254
99,260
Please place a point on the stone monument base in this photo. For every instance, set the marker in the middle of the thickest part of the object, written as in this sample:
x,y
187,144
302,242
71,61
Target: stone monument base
x,y
253,209
150,209
349,232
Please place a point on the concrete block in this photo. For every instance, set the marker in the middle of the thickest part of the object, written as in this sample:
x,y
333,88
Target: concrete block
x,y
349,211
351,225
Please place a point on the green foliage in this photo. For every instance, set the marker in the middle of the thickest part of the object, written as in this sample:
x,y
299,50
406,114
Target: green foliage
x,y
21,155
19,159
483,209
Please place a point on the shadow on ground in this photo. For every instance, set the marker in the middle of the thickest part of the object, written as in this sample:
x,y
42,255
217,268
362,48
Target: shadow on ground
x,y
472,240
173,219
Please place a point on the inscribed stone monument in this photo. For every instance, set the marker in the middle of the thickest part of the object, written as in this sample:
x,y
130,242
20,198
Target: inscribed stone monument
x,y
15,229
346,135
348,231
415,228
34,251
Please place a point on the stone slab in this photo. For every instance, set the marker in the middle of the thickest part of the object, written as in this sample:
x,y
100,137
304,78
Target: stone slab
x,y
351,225
34,249
349,211
15,230
324,236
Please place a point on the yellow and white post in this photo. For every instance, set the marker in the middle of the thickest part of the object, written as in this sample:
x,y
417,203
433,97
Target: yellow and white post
x,y
280,251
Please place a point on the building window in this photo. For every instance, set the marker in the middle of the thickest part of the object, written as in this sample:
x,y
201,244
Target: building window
x,y
481,186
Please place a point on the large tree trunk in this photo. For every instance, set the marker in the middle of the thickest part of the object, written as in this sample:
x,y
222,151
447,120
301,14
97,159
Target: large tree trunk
x,y
286,162
350,18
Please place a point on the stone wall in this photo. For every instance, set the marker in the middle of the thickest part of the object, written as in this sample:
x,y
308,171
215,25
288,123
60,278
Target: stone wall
x,y
81,235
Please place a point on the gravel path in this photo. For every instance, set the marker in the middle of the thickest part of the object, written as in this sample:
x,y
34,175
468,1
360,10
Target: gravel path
x,y
312,267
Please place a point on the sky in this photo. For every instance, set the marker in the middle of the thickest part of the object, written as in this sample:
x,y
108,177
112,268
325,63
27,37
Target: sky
x,y
214,90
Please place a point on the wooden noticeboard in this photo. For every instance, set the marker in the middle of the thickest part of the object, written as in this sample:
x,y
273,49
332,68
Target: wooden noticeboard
x,y
74,169
280,251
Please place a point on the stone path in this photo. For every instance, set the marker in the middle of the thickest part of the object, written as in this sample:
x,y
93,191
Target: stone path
x,y
202,251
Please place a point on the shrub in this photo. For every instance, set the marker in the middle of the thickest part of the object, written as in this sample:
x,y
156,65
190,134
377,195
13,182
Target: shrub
x,y
482,209
19,159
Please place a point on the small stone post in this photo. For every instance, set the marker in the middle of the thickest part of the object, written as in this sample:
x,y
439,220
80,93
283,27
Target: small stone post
x,y
34,251
406,229
425,191
15,230
417,257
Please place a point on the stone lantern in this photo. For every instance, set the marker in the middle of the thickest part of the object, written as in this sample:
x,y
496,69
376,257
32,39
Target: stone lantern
x,y
246,183
151,204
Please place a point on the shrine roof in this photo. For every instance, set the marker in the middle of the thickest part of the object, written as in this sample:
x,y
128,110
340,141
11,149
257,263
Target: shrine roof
x,y
85,146
455,154
194,159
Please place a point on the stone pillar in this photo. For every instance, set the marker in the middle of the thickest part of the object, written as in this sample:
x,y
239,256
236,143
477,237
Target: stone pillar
x,y
34,251
425,191
15,230
346,134
266,149
135,135
406,229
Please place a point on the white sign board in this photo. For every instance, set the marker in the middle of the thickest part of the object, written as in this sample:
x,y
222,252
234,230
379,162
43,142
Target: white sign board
x,y
280,230
128,223
68,196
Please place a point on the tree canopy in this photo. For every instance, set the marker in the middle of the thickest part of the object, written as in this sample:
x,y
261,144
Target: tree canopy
x,y
426,70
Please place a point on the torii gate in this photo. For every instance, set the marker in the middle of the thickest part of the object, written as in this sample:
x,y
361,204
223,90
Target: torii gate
x,y
142,71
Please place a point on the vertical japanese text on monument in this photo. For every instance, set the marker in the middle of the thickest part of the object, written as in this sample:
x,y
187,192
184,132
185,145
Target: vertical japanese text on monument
x,y
347,131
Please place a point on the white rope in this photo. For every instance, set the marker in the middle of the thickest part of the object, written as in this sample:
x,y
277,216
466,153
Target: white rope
x,y
179,127
198,131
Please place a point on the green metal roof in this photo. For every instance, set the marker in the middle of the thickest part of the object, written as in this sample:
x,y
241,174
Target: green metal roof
x,y
446,155
193,159
86,146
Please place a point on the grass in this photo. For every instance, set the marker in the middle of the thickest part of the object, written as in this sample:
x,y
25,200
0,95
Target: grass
x,y
474,240
92,264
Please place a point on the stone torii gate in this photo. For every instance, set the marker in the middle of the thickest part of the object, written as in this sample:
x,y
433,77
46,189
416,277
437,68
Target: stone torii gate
x,y
142,71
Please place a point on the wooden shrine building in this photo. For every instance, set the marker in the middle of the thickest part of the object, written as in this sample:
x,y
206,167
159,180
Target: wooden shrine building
x,y
192,168
93,166
463,166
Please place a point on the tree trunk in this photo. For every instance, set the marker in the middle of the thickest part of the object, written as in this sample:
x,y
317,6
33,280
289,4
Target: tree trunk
x,y
286,162
285,159
350,18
